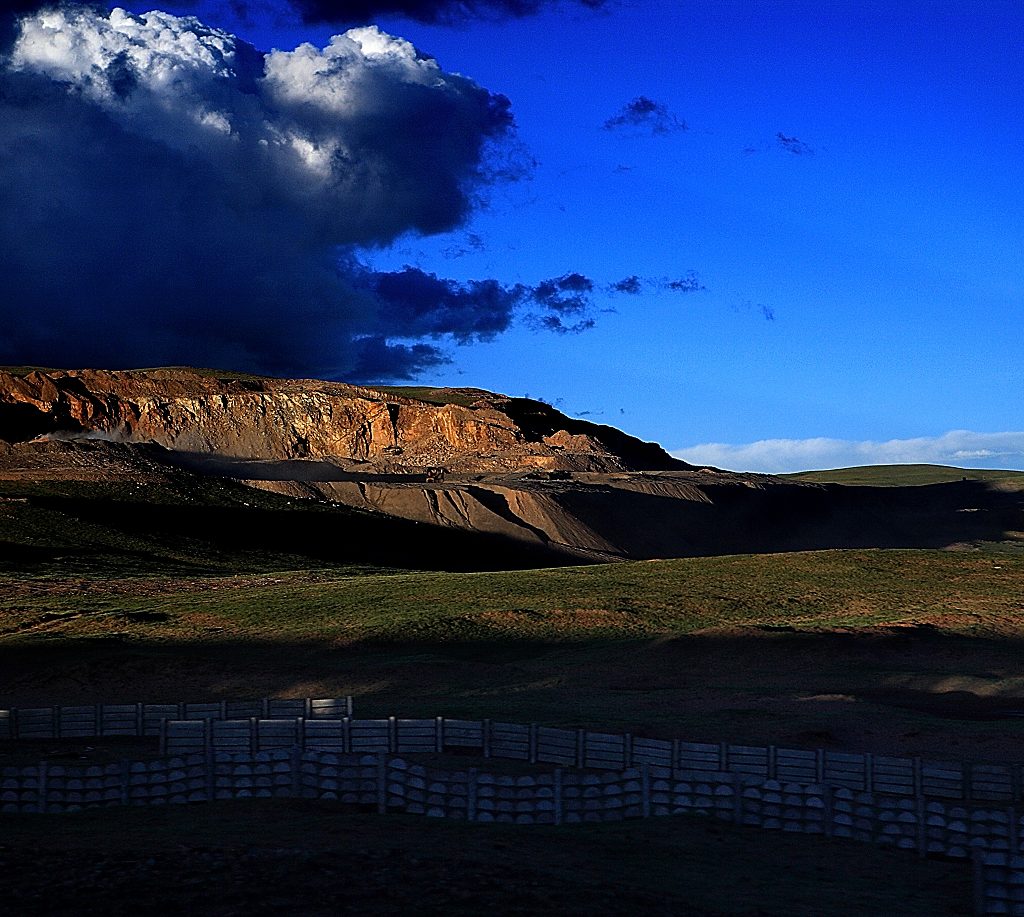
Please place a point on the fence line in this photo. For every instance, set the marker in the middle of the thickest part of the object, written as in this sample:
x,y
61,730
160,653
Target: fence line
x,y
101,720
889,775
385,784
390,783
287,721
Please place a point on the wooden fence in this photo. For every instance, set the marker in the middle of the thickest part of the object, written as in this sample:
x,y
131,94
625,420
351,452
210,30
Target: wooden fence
x,y
889,775
100,720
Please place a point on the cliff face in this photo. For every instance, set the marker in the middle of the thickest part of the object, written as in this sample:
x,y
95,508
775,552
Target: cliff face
x,y
514,471
463,430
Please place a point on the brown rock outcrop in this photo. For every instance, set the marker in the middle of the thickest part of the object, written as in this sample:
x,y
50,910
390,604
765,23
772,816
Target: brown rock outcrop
x,y
250,418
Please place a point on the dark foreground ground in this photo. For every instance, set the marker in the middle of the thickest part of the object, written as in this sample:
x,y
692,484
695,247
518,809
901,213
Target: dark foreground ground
x,y
263,857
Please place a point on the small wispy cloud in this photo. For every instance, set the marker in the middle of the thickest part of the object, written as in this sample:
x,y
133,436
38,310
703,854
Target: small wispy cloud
x,y
785,143
645,114
777,456
634,285
793,145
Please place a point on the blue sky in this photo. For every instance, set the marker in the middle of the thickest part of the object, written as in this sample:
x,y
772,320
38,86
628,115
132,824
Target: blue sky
x,y
841,181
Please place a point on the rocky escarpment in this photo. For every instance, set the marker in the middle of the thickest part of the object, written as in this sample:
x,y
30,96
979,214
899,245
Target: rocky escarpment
x,y
516,472
250,418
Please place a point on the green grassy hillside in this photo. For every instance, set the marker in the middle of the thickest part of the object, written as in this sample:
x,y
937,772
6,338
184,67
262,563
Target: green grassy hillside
x,y
905,475
891,651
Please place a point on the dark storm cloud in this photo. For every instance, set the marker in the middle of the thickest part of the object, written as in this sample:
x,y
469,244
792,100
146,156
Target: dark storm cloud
x,y
645,114
376,359
414,303
169,195
565,295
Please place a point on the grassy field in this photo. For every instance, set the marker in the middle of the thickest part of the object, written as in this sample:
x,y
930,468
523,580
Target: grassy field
x,y
206,589
906,476
911,651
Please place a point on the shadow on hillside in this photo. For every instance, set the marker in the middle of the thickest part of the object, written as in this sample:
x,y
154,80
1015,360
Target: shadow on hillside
x,y
158,535
895,690
779,518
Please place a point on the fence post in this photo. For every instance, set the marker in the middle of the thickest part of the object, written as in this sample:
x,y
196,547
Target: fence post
x,y
348,705
677,749
737,799
922,828
163,735
295,760
827,800
254,735
471,795
819,765
917,776
99,721
126,773
723,757
487,738
392,734
56,720
346,735
211,773
439,734
645,790
307,708
208,739
43,790
222,713
140,721
558,796
382,785
627,750
581,748
533,743
265,708
978,871
773,762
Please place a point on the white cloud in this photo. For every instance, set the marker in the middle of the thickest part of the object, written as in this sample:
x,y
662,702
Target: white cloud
x,y
210,201
777,456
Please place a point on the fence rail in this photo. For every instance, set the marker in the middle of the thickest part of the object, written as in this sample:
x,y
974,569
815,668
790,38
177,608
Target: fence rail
x,y
894,776
101,720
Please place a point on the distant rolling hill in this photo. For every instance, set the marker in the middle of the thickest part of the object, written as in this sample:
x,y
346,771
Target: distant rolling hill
x,y
906,476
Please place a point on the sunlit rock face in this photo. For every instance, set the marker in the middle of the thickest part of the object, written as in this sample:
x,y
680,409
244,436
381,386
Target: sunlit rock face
x,y
468,431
